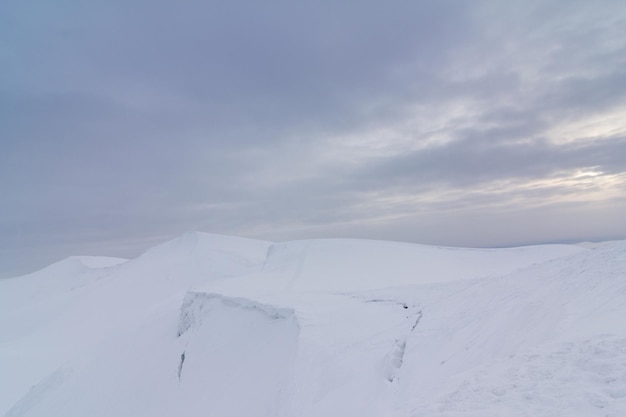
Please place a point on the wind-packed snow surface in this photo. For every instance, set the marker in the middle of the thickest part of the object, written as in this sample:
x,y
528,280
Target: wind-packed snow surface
x,y
209,325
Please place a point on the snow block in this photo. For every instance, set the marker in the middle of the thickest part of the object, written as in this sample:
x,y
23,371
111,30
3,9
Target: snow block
x,y
237,356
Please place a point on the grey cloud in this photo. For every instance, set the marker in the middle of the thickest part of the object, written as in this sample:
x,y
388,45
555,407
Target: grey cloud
x,y
580,96
121,122
289,60
343,195
489,156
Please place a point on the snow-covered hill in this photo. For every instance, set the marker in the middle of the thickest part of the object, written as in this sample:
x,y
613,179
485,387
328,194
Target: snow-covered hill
x,y
209,325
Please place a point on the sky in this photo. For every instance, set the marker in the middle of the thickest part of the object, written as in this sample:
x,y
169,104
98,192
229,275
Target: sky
x,y
460,123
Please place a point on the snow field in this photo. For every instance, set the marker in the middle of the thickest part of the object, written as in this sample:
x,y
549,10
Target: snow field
x,y
214,325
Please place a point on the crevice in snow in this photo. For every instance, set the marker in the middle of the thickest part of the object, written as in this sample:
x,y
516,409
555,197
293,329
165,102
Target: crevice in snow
x,y
397,354
417,320
180,365
395,358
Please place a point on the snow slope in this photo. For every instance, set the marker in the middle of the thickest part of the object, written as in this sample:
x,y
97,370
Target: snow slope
x,y
216,325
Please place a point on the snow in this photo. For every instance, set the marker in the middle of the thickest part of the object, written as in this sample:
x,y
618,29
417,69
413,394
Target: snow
x,y
215,325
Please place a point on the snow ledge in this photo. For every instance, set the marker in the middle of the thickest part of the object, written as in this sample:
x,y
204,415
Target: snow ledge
x,y
197,305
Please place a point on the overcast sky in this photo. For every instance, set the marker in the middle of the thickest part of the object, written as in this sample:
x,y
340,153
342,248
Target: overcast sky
x,y
463,123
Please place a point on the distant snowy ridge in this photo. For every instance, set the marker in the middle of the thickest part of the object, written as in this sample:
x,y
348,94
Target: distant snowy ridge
x,y
73,265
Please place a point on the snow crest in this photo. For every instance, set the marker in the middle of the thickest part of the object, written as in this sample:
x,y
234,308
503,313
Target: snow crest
x,y
197,306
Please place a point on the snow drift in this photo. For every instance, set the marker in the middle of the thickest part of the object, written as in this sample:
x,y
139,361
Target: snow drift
x,y
215,325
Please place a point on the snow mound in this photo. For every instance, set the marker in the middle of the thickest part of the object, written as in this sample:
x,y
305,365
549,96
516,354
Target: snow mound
x,y
96,262
73,266
199,245
200,255
351,264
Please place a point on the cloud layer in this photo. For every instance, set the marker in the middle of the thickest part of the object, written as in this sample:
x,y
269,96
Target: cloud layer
x,y
446,122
